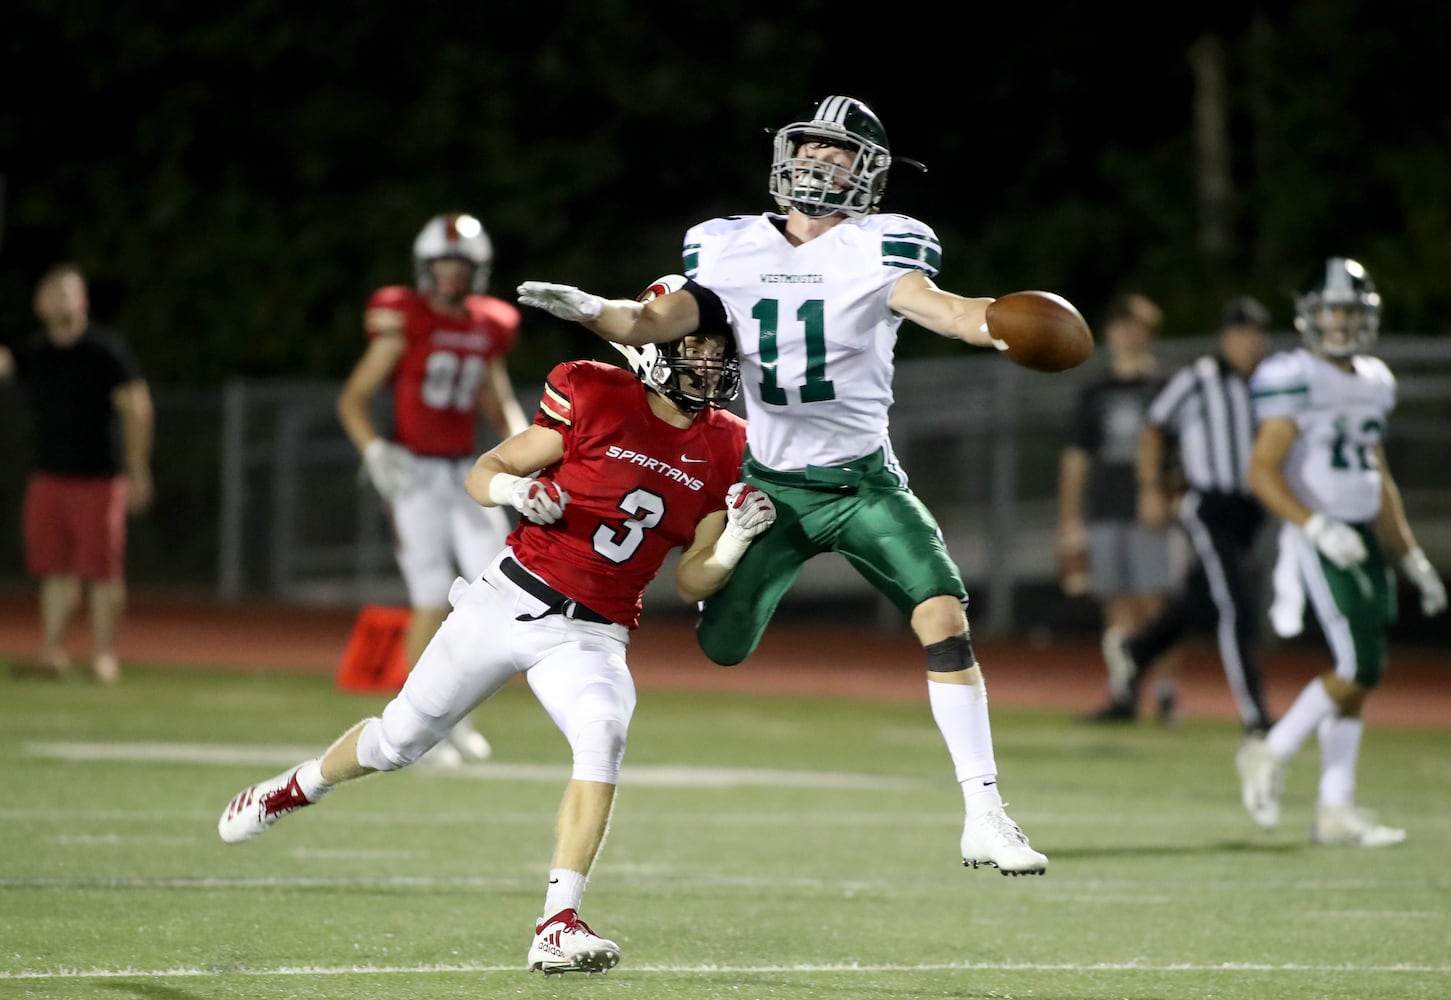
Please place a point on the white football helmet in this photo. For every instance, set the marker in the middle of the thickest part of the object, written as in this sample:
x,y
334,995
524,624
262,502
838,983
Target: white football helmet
x,y
1339,315
675,370
454,234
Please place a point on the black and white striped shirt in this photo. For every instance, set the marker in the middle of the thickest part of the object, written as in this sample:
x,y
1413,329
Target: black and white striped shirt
x,y
1206,405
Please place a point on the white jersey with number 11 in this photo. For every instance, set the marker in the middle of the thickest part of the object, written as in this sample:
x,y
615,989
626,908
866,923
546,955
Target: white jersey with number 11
x,y
812,326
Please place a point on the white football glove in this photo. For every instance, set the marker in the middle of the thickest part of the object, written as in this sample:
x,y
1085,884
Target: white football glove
x,y
1418,570
538,500
390,467
1336,540
748,512
564,301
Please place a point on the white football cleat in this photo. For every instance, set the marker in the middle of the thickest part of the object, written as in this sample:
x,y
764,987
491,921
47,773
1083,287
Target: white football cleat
x,y
1261,779
469,742
991,838
1356,827
565,943
255,809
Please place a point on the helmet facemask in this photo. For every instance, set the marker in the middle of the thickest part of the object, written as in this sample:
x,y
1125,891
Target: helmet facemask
x,y
692,372
1340,317
819,188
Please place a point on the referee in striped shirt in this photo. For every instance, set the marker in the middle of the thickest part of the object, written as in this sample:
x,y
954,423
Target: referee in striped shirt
x,y
1206,408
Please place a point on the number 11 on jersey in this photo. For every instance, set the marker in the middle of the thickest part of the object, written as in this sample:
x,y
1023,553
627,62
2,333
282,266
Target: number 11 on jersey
x,y
817,388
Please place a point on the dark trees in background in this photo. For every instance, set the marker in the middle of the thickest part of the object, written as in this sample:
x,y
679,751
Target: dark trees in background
x,y
237,185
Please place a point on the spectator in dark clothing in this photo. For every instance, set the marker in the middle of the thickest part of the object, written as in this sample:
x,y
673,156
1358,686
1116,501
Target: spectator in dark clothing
x,y
1129,565
92,465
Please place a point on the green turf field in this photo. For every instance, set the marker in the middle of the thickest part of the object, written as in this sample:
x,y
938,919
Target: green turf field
x,y
762,848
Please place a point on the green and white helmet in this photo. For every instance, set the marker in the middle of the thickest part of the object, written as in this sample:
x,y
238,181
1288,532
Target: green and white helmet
x,y
820,189
1339,315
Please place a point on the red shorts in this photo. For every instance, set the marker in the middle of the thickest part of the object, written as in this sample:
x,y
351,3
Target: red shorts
x,y
75,524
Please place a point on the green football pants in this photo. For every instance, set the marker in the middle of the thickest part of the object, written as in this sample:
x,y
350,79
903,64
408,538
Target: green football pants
x,y
862,511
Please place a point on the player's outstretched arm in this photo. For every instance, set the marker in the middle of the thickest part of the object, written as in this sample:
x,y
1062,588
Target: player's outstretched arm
x,y
917,298
620,321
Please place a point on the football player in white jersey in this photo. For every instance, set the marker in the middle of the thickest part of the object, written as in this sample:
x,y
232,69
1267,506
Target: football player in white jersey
x,y
1319,463
815,295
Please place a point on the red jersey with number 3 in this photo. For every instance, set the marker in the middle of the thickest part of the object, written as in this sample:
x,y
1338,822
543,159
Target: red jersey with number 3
x,y
445,360
637,486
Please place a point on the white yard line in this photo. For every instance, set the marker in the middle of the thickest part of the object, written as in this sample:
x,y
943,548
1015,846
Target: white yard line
x,y
411,970
273,755
1074,891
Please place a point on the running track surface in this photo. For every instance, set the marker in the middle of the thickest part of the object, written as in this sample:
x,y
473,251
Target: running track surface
x,y
849,660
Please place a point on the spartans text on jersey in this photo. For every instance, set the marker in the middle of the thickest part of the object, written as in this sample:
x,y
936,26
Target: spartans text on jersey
x,y
654,464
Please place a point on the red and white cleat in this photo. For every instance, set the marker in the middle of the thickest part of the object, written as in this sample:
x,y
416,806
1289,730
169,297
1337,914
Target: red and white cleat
x,y
565,943
254,809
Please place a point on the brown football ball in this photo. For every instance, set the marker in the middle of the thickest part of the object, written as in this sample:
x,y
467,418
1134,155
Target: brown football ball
x,y
1043,330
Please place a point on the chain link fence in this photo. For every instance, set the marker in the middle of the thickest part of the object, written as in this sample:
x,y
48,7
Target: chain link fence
x,y
259,493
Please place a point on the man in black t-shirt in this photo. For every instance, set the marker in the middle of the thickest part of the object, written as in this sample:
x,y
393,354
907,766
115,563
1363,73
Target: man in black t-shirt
x,y
1128,565
92,465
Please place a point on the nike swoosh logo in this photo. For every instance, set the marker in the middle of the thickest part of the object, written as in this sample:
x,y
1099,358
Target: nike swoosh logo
x,y
696,461
988,784
554,881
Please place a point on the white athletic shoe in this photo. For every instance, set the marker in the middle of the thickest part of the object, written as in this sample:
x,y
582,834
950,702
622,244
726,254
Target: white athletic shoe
x,y
1356,827
255,809
469,742
1261,779
1120,665
565,943
991,838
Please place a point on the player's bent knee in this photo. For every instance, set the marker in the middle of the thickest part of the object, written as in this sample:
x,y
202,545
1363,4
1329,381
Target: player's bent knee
x,y
370,748
599,750
727,648
400,738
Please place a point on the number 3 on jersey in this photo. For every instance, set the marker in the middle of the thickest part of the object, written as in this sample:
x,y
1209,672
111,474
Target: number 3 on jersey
x,y
645,510
817,388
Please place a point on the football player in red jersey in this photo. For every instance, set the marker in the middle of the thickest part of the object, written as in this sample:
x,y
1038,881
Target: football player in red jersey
x,y
616,471
440,349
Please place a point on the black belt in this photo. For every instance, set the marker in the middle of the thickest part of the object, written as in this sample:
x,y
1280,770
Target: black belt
x,y
558,604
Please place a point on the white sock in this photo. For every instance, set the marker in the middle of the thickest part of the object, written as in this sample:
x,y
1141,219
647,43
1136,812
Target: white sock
x,y
310,780
566,890
960,711
1295,727
1339,755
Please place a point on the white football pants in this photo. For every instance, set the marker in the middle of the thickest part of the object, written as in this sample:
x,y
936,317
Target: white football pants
x,y
576,669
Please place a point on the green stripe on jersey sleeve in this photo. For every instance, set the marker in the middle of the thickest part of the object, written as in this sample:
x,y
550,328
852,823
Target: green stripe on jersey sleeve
x,y
911,250
690,258
1288,390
